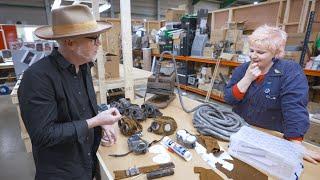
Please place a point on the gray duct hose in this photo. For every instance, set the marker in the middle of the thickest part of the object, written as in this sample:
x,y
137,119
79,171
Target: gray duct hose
x,y
210,118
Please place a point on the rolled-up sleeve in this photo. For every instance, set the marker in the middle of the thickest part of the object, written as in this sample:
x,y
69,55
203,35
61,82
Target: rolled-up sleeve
x,y
294,100
230,96
39,113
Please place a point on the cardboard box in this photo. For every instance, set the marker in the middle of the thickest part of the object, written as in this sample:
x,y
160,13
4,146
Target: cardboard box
x,y
154,48
234,35
295,38
204,86
174,15
227,56
298,38
293,55
236,25
217,35
207,52
238,46
112,67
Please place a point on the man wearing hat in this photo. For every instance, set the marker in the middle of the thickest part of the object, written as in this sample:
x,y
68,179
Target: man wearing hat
x,y
57,100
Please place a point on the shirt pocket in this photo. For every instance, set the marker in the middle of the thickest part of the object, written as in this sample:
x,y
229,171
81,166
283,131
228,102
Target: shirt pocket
x,y
272,96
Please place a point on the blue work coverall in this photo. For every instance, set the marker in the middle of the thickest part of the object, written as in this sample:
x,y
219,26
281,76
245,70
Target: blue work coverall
x,y
278,103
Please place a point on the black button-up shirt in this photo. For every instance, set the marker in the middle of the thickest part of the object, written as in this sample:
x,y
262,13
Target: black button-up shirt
x,y
55,101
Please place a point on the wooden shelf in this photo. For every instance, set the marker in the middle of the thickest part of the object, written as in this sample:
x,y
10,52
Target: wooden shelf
x,y
310,72
202,60
7,78
201,92
307,72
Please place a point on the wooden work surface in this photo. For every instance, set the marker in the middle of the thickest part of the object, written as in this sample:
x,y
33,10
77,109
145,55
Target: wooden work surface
x,y
6,65
183,169
139,76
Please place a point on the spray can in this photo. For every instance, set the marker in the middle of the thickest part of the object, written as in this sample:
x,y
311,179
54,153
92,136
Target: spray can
x,y
177,148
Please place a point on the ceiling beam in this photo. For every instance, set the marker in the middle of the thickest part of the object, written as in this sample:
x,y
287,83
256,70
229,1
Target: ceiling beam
x,y
22,5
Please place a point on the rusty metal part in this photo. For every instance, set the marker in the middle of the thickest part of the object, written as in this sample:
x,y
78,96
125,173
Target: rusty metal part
x,y
128,126
160,173
121,174
137,145
161,83
150,110
210,143
163,125
206,174
161,101
122,104
135,112
241,170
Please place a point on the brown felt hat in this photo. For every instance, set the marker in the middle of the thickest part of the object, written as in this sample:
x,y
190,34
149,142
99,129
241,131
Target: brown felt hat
x,y
72,21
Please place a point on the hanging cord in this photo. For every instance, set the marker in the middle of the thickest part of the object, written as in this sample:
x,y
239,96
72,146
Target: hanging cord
x,y
215,72
210,118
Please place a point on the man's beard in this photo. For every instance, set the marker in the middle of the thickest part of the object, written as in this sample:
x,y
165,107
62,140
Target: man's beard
x,y
87,59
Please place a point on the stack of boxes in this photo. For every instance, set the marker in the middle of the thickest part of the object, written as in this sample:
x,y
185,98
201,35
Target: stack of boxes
x,y
232,38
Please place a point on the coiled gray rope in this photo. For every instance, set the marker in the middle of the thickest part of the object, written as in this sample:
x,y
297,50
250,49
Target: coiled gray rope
x,y
210,118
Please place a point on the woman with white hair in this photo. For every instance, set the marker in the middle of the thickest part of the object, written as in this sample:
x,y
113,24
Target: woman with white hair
x,y
271,92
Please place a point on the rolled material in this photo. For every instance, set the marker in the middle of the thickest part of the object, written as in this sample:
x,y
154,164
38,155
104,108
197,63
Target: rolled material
x,y
146,59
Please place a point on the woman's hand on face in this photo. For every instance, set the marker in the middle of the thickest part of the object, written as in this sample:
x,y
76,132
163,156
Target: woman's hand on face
x,y
252,72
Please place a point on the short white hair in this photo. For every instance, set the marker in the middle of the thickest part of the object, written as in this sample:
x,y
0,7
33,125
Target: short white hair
x,y
271,38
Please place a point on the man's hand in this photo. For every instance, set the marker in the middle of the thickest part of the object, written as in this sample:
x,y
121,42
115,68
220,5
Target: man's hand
x,y
109,135
312,156
107,117
309,155
252,72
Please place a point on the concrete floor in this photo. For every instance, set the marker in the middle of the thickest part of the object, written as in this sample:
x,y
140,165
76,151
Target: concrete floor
x,y
15,162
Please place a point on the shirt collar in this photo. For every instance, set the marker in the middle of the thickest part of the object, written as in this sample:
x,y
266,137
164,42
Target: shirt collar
x,y
274,70
63,63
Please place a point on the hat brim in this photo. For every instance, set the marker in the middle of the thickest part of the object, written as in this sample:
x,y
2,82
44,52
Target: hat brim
x,y
45,32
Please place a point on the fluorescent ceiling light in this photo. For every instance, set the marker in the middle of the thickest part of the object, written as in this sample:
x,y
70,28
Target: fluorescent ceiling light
x,y
56,4
256,2
88,1
104,7
76,2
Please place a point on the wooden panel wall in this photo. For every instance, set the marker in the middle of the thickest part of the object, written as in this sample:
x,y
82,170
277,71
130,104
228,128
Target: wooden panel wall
x,y
295,10
257,15
111,40
316,27
220,19
290,17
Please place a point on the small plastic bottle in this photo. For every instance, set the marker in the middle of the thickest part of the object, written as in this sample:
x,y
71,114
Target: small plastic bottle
x,y
177,148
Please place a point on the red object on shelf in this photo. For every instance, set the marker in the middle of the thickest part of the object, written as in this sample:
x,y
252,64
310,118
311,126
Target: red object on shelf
x,y
10,35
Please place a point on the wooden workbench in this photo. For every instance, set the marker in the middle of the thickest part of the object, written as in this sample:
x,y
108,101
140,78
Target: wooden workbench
x,y
6,65
140,77
183,169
